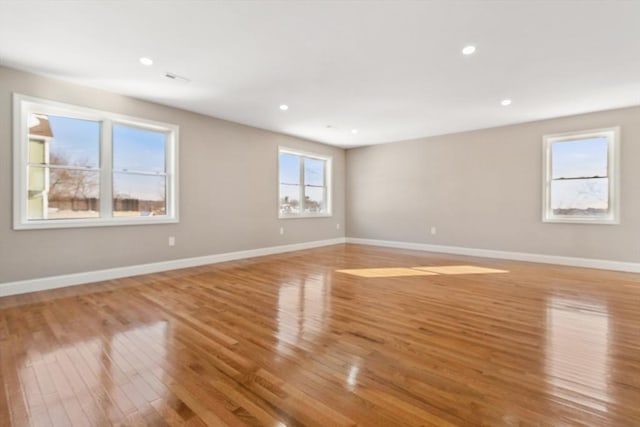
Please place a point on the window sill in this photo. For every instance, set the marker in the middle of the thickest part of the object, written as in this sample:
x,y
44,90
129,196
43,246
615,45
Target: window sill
x,y
304,216
74,223
584,220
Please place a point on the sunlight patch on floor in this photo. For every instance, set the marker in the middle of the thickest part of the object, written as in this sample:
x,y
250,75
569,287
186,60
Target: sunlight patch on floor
x,y
420,271
460,269
386,272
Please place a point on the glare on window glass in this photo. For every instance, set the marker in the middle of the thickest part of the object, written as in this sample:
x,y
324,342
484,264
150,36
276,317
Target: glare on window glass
x,y
289,198
589,197
314,199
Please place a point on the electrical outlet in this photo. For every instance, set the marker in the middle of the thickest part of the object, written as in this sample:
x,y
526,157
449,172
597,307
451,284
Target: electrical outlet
x,y
338,226
434,230
172,241
281,230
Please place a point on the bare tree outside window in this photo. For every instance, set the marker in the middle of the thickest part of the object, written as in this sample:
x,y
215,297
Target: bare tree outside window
x,y
74,190
81,167
63,160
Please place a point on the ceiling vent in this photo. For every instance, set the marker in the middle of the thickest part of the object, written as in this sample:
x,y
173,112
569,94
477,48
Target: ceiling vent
x,y
177,78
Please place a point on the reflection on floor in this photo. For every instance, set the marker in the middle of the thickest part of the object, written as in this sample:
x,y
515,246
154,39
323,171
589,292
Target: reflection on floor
x,y
287,340
420,271
578,335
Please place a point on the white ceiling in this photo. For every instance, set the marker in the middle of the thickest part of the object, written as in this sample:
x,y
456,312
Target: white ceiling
x,y
391,69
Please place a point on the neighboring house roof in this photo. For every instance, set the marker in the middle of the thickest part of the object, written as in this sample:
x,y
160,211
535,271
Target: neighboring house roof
x,y
42,128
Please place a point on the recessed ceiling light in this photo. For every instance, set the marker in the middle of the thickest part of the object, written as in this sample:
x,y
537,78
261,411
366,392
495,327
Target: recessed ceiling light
x,y
146,61
354,131
505,102
284,107
468,50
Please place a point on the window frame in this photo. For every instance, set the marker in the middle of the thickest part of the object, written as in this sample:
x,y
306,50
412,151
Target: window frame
x,y
24,105
613,174
328,171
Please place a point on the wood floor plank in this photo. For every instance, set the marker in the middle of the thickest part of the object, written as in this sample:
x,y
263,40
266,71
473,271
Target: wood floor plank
x,y
290,340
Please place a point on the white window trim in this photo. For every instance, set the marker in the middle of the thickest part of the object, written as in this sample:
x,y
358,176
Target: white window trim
x,y
613,173
23,105
328,172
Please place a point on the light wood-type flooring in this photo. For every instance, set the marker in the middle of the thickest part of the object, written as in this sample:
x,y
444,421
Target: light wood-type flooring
x,y
288,340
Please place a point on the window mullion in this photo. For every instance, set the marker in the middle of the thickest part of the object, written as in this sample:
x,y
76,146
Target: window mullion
x,y
168,167
325,201
613,172
612,185
47,179
302,189
106,169
20,163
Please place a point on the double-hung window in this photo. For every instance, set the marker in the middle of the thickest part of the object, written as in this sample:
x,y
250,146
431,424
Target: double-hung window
x,y
581,177
77,167
304,184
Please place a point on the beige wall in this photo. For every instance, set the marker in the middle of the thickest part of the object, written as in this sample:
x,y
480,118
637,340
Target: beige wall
x,y
220,162
482,189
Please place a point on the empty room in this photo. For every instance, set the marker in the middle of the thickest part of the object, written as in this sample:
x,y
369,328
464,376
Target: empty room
x,y
319,213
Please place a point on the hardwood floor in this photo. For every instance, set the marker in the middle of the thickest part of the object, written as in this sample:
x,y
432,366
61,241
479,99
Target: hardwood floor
x,y
289,340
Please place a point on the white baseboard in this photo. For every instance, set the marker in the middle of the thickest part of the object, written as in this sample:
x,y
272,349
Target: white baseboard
x,y
54,282
516,256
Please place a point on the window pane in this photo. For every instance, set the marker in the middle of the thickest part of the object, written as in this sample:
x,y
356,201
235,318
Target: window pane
x,y
289,168
63,141
313,199
306,194
71,193
289,198
138,149
580,197
580,158
139,195
313,172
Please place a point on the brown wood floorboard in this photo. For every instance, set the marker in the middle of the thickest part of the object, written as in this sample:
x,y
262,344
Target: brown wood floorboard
x,y
288,340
